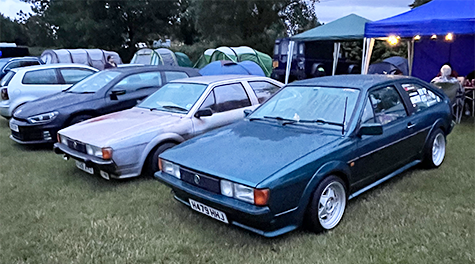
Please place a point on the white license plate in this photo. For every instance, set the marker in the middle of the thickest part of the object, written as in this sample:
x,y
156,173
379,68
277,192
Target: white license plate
x,y
82,166
14,127
211,212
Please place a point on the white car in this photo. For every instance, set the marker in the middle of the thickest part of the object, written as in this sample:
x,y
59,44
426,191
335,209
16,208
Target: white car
x,y
21,85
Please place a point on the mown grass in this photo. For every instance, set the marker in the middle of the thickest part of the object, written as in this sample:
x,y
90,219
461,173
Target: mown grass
x,y
51,212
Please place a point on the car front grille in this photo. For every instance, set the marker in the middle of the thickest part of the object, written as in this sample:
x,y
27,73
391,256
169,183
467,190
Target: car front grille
x,y
198,179
78,146
27,134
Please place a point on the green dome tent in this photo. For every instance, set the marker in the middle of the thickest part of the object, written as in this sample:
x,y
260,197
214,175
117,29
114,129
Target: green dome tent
x,y
147,56
204,59
183,59
238,54
161,56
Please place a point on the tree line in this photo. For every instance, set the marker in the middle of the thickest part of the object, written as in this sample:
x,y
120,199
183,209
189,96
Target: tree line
x,y
120,24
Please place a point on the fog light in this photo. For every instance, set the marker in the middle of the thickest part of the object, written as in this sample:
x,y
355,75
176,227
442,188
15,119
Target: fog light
x,y
46,135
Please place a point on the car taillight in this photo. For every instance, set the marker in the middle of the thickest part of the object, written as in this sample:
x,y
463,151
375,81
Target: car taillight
x,y
4,93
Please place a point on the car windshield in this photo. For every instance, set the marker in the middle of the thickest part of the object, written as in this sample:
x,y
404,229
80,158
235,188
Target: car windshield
x,y
310,106
174,97
94,82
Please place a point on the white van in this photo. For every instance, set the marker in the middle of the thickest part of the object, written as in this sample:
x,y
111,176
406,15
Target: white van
x,y
25,84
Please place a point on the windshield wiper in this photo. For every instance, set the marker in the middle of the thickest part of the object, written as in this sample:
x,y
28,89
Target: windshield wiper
x,y
278,118
175,107
321,121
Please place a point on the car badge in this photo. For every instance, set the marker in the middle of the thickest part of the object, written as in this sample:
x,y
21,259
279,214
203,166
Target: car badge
x,y
197,179
75,144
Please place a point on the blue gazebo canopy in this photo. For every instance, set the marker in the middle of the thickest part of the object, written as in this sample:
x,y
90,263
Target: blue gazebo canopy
x,y
436,17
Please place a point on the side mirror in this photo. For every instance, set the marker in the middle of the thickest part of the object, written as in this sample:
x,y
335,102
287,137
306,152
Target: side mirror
x,y
370,129
247,112
203,112
115,93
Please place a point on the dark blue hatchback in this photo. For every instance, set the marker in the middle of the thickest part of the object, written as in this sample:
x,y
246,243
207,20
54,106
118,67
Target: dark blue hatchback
x,y
306,151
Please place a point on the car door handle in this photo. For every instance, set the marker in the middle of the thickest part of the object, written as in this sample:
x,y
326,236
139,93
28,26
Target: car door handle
x,y
410,125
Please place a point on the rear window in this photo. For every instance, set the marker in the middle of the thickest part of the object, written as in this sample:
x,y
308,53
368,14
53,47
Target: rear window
x,y
175,75
47,76
7,78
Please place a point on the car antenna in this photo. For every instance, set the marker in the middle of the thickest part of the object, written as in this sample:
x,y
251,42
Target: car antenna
x,y
344,117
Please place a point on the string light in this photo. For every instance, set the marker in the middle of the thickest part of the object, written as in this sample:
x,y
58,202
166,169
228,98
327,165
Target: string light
x,y
449,37
417,37
433,36
393,40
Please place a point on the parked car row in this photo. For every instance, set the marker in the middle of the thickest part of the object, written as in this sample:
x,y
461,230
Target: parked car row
x,y
244,150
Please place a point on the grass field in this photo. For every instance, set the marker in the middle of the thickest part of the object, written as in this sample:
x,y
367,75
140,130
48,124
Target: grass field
x,y
50,212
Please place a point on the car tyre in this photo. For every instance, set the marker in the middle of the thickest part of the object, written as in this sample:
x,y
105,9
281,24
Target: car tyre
x,y
328,204
78,119
152,160
434,152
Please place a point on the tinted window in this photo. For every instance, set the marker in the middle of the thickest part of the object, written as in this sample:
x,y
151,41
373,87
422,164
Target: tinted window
x,y
7,78
230,96
94,82
174,75
421,97
140,80
29,63
47,76
12,65
387,105
263,90
72,76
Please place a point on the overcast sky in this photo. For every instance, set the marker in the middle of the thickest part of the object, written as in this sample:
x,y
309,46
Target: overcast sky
x,y
327,10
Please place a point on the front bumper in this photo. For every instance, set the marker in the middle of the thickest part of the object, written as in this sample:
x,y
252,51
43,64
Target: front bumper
x,y
96,163
257,219
33,133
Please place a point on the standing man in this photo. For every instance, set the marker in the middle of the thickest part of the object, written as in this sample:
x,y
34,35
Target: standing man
x,y
110,63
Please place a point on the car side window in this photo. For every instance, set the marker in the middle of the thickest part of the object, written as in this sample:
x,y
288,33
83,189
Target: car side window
x,y
230,96
174,75
72,76
29,63
368,113
421,97
139,80
387,105
263,89
12,65
47,76
209,102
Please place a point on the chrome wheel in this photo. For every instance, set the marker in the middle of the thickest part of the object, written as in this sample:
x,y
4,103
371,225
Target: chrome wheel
x,y
331,205
438,149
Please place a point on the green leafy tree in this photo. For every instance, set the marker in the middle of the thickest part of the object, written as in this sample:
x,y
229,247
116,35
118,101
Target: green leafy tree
x,y
12,31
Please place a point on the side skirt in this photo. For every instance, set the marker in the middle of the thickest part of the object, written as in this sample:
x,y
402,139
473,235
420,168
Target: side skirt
x,y
389,176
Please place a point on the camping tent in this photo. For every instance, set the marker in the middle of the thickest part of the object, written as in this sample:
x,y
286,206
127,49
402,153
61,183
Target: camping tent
x,y
236,54
183,59
160,56
204,59
348,28
168,57
426,30
146,56
390,66
229,67
93,57
243,53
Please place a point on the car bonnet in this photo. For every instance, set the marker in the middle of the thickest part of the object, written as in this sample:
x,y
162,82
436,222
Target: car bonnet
x,y
248,152
108,130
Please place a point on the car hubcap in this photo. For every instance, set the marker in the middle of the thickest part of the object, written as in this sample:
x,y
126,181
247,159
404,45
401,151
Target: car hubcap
x,y
331,205
438,149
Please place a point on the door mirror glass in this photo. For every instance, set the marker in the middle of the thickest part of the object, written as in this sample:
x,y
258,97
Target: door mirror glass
x,y
371,129
115,93
247,112
203,112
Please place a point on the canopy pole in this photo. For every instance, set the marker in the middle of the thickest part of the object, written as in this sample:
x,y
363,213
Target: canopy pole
x,y
369,51
363,56
410,54
290,52
336,53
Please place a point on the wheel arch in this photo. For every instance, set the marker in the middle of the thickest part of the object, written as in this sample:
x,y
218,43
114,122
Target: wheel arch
x,y
91,113
156,142
337,168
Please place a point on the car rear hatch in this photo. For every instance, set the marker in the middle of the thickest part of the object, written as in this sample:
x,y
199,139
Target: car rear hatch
x,y
4,83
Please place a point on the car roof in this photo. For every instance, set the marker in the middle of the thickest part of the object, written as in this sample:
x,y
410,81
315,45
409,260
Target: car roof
x,y
358,81
53,66
219,78
20,58
142,68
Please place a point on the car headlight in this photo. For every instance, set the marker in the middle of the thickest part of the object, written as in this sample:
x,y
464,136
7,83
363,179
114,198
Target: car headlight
x,y
170,168
103,153
62,139
244,193
43,118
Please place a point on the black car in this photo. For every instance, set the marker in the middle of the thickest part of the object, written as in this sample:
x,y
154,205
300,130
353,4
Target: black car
x,y
6,64
104,92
